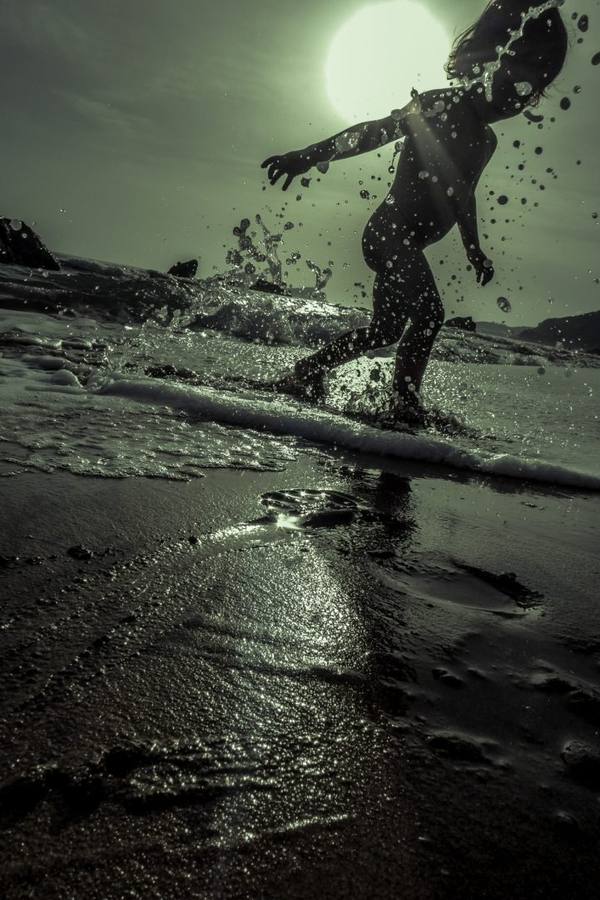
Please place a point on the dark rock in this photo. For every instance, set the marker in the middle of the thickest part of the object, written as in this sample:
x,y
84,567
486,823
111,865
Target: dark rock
x,y
268,287
583,763
186,269
465,323
21,246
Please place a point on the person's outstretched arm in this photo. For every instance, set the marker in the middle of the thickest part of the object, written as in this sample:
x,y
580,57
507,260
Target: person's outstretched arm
x,y
351,142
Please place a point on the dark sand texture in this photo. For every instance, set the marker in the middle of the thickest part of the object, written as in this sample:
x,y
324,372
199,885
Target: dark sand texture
x,y
327,682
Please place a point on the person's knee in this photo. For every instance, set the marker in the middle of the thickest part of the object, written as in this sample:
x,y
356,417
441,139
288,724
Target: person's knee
x,y
430,315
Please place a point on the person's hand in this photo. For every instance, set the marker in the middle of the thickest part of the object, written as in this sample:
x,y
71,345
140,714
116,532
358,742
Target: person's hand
x,y
484,267
290,165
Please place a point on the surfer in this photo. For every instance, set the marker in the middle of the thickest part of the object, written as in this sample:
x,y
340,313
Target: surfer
x,y
500,66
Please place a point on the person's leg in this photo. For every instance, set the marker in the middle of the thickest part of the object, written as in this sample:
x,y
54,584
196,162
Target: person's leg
x,y
379,239
386,327
426,315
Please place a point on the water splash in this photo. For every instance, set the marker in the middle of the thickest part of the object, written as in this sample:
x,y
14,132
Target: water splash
x,y
322,276
249,252
256,259
485,77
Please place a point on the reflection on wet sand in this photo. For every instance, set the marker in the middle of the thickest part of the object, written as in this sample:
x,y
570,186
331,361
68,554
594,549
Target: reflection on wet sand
x,y
297,693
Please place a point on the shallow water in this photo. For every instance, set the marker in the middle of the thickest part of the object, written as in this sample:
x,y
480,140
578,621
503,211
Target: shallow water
x,y
76,394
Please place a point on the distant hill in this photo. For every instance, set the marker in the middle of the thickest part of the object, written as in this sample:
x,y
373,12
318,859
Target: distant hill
x,y
574,332
496,329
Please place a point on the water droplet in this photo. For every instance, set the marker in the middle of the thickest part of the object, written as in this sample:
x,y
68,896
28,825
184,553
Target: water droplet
x,y
523,88
584,23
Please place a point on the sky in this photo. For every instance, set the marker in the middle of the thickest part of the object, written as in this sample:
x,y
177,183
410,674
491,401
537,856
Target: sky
x,y
133,132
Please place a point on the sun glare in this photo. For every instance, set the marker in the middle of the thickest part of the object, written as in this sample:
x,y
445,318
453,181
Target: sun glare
x,y
380,53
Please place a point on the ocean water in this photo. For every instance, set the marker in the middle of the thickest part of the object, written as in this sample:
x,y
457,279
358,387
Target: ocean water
x,y
112,371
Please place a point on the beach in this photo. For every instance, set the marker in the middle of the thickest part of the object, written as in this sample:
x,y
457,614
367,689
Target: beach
x,y
252,647
299,470
224,688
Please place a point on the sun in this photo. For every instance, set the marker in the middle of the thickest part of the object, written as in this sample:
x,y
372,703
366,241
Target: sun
x,y
380,53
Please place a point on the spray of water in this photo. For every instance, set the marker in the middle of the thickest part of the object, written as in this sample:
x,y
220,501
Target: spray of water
x,y
256,258
485,77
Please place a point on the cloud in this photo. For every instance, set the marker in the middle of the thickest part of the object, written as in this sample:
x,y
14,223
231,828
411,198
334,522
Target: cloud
x,y
107,115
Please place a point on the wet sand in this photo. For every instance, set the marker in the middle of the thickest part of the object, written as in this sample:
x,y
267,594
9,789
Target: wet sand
x,y
331,681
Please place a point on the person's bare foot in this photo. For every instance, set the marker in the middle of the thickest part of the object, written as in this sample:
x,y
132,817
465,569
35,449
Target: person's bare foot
x,y
407,409
311,388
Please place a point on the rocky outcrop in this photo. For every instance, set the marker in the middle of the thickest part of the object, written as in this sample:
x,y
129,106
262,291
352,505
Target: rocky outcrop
x,y
21,246
465,323
186,269
269,287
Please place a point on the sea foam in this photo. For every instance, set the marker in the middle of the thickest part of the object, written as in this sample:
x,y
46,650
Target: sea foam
x,y
276,415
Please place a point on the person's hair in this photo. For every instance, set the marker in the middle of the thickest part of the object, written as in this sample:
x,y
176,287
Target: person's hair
x,y
537,57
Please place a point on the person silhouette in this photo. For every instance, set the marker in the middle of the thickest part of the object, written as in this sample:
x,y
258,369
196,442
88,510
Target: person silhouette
x,y
500,66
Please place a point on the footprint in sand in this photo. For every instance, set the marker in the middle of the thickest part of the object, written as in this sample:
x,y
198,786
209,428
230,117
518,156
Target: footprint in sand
x,y
455,582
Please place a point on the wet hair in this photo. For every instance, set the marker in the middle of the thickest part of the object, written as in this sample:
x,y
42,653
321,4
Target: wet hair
x,y
537,57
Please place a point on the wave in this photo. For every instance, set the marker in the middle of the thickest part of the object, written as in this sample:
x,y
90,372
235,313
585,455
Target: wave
x,y
224,303
277,415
